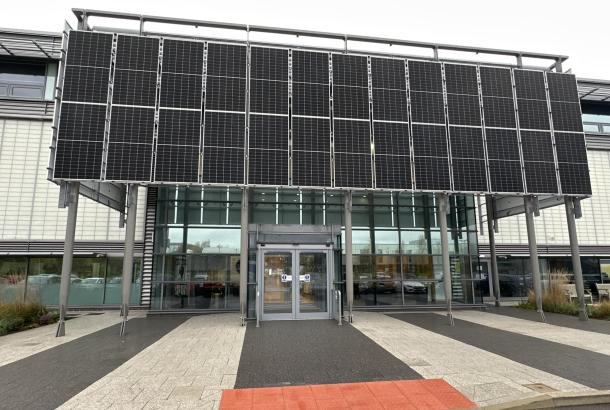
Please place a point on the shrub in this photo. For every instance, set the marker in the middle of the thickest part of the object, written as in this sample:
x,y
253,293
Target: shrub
x,y
23,315
600,311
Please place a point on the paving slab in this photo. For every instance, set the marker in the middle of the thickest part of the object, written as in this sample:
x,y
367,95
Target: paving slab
x,y
303,352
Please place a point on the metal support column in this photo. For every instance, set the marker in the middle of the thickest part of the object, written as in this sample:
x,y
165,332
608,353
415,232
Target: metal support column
x,y
349,265
580,287
71,201
493,263
130,235
443,210
530,208
243,259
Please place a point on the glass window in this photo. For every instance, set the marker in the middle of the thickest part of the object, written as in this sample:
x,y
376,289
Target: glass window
x,y
174,242
418,266
386,242
12,278
87,281
23,80
114,282
361,241
262,213
605,270
44,276
413,242
210,240
387,267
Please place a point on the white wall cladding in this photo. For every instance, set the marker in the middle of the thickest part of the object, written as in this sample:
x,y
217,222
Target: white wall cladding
x,y
593,228
28,201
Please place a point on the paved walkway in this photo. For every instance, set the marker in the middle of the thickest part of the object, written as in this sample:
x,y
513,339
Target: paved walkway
x,y
387,395
484,377
17,346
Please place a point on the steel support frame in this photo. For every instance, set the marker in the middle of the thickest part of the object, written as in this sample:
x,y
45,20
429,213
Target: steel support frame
x,y
243,259
349,263
531,208
130,235
493,261
443,210
570,205
71,201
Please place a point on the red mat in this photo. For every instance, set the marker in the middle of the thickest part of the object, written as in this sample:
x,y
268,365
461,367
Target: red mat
x,y
432,394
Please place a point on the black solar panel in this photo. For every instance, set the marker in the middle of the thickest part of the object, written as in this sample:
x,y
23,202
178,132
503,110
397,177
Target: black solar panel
x,y
537,146
388,73
86,84
137,53
353,170
129,162
181,91
134,87
350,70
392,171
89,49
78,159
311,134
390,105
533,114
427,107
268,167
132,124
466,142
562,87
226,60
309,67
184,57
350,102
429,140
269,64
530,84
269,96
82,122
310,168
391,138
540,177
566,116
461,79
268,132
432,173
499,112
310,99
575,178
502,144
179,127
425,76
224,129
464,109
496,82
223,165
570,147
225,94
469,174
177,163
505,176
352,136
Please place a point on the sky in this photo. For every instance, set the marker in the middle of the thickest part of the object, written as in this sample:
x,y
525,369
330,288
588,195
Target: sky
x,y
576,29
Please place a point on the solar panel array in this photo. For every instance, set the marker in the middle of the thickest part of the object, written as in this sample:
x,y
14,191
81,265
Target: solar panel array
x,y
156,110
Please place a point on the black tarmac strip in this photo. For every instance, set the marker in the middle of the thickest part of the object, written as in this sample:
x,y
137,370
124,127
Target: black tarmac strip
x,y
572,363
281,353
50,378
591,325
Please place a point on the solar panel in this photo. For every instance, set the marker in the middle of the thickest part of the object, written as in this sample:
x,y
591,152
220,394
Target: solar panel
x,y
269,96
269,64
129,162
223,165
533,114
78,159
575,178
134,87
391,138
353,170
566,116
310,168
392,171
352,136
502,144
429,141
432,173
310,99
496,82
223,129
466,142
181,91
570,147
225,94
137,53
350,102
562,87
425,76
390,105
427,108
505,176
540,177
179,127
388,73
309,67
461,79
268,167
530,84
177,163
86,84
537,146
469,174
82,122
89,49
268,132
183,57
311,134
463,109
132,125
226,60
350,70
499,112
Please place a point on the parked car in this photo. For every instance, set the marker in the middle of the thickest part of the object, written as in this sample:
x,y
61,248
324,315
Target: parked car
x,y
413,286
92,282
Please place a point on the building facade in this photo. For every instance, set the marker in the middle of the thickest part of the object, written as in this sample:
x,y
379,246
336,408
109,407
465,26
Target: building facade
x,y
188,238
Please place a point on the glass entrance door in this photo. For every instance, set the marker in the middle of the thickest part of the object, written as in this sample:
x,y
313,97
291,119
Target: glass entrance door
x,y
295,283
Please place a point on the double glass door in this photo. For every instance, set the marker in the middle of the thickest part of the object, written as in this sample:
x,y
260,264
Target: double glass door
x,y
295,283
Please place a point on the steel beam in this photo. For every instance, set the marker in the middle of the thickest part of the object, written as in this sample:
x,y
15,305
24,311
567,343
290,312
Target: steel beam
x,y
530,209
493,262
130,234
71,200
349,265
576,266
443,210
243,259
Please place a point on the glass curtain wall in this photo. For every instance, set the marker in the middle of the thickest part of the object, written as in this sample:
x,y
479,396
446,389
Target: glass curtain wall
x,y
396,244
95,280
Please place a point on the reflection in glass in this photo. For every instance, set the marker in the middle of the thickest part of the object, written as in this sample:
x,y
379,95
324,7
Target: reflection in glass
x,y
313,290
12,278
209,240
277,283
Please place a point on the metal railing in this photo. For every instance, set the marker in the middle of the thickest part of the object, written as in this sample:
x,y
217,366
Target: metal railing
x,y
258,310
337,311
